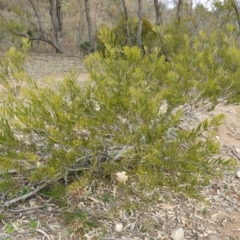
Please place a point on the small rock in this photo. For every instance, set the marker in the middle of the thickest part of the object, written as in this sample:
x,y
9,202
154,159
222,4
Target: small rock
x,y
238,174
177,234
49,209
213,237
237,150
119,227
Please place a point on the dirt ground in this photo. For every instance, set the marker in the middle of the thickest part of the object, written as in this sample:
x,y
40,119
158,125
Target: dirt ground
x,y
218,219
41,66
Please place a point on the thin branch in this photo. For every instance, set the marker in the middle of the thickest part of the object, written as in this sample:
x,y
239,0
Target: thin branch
x,y
43,39
233,151
13,171
231,202
31,208
40,38
38,18
25,196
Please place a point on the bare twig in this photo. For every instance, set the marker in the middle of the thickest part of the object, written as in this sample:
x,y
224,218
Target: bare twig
x,y
234,153
234,135
13,171
231,202
31,208
43,233
25,196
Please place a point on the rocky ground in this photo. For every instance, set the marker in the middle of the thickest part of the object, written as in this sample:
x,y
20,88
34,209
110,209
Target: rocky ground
x,y
172,217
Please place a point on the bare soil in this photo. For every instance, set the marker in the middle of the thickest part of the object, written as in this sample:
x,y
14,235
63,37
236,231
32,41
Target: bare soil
x,y
41,66
216,219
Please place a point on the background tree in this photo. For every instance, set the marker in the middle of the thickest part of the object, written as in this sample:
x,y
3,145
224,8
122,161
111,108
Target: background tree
x,y
127,24
236,10
157,6
56,18
139,32
179,9
90,27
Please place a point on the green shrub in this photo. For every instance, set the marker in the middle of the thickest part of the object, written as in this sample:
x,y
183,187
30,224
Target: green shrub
x,y
117,120
84,47
99,44
130,89
119,30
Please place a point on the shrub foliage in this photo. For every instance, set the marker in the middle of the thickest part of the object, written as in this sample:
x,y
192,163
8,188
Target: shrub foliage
x,y
127,117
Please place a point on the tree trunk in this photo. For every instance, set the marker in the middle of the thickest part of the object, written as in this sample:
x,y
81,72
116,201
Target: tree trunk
x,y
139,32
157,5
90,28
56,18
191,8
38,18
235,7
179,10
127,26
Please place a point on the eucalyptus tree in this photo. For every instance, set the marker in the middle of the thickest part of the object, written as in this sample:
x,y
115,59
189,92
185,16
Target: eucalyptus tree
x,y
56,19
157,6
179,9
140,16
90,27
127,24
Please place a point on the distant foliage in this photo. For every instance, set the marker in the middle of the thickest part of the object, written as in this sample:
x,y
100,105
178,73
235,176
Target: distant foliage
x,y
84,47
99,44
149,35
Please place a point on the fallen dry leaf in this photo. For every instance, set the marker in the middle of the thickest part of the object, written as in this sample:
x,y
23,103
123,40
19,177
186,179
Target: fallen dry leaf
x,y
121,177
177,234
95,200
43,233
166,206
